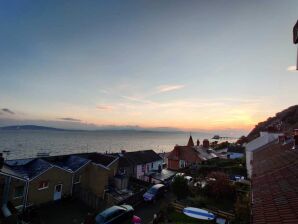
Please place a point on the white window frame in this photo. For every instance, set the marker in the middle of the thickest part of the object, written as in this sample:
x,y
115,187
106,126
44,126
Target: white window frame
x,y
80,176
44,187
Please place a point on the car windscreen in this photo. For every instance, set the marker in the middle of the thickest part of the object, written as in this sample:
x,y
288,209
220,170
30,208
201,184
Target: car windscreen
x,y
99,219
152,190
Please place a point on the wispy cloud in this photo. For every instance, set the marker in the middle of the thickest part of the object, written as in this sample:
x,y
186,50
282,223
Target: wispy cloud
x,y
7,111
291,68
168,88
69,119
105,107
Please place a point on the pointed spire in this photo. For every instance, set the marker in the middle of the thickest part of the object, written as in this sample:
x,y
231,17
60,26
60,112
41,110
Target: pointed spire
x,y
190,141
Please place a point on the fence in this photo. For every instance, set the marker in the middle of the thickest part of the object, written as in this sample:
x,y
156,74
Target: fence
x,y
89,198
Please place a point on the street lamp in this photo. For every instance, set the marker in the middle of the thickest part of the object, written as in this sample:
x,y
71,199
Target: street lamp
x,y
295,39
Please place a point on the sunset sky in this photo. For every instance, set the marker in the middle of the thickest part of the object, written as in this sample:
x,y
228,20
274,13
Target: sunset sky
x,y
192,65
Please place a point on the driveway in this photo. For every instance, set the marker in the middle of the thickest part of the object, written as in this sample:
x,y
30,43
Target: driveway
x,y
62,212
146,211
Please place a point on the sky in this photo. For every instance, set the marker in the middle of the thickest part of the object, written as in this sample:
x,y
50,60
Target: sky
x,y
191,65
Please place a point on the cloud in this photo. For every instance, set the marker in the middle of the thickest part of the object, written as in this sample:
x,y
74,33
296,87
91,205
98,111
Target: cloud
x,y
105,107
291,68
168,88
69,119
7,111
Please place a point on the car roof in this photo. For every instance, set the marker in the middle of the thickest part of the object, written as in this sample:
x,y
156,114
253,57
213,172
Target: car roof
x,y
157,186
111,210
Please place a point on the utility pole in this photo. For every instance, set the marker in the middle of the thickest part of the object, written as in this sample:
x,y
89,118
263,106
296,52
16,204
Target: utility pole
x,y
295,40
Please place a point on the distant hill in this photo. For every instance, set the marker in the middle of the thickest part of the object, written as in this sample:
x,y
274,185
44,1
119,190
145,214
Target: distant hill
x,y
29,127
285,121
109,129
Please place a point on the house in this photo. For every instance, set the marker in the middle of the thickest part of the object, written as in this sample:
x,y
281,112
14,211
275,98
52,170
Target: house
x,y
143,163
264,139
274,197
35,181
185,156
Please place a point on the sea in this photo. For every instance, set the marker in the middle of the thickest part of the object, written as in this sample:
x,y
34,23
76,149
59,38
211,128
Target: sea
x,y
20,144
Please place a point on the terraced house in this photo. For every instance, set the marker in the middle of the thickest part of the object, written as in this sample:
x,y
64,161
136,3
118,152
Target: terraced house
x,y
35,181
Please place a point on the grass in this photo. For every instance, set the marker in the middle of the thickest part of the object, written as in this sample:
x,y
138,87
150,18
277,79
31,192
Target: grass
x,y
180,218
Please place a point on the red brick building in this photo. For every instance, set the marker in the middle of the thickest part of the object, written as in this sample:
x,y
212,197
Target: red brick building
x,y
183,156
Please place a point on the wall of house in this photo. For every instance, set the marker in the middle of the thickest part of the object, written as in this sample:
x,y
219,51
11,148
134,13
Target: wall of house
x,y
173,164
95,180
16,201
143,169
54,176
2,182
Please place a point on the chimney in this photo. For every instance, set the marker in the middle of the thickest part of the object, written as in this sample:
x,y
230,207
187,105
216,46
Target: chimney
x,y
123,151
198,142
206,143
1,160
281,139
296,138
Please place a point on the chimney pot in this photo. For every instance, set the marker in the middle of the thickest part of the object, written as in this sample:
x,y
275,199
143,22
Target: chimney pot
x,y
281,139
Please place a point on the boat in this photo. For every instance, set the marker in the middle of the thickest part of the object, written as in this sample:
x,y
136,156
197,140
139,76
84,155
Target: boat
x,y
198,213
216,137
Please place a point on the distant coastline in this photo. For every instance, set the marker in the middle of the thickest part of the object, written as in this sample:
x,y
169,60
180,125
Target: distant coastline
x,y
45,128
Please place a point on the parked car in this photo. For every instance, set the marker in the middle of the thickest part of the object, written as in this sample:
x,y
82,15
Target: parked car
x,y
123,214
154,192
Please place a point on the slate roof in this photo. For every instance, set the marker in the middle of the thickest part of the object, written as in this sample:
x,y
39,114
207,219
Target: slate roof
x,y
275,184
68,162
29,169
99,158
142,157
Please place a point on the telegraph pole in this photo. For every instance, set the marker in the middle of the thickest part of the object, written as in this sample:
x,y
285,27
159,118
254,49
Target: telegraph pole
x,y
295,40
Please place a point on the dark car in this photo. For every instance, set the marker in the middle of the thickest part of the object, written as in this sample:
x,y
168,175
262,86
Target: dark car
x,y
154,192
123,214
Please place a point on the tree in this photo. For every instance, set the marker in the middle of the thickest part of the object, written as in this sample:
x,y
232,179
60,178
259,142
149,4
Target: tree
x,y
180,187
219,185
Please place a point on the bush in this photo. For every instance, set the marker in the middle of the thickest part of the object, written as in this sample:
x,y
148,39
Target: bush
x,y
219,186
180,187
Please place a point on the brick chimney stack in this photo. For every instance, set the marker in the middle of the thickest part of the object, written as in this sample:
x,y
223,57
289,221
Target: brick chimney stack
x,y
206,143
198,142
1,160
281,139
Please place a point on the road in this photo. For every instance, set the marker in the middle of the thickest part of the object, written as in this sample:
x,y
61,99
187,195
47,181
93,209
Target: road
x,y
146,211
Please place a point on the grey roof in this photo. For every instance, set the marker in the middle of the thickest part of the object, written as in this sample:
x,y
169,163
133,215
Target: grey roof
x,y
142,157
29,169
164,175
99,158
68,162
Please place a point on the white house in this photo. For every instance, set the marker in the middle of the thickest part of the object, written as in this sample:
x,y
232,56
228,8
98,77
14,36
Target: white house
x,y
144,162
264,139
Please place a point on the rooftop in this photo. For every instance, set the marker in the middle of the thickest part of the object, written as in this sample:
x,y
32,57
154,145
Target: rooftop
x,y
142,157
275,184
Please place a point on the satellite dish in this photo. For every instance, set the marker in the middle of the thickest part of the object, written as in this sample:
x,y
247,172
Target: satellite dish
x,y
295,33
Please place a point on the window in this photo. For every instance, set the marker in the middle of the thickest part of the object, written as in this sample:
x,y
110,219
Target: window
x,y
143,168
19,192
77,179
43,185
151,165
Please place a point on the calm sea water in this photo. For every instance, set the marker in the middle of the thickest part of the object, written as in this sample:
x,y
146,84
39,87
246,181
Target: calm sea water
x,y
26,144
